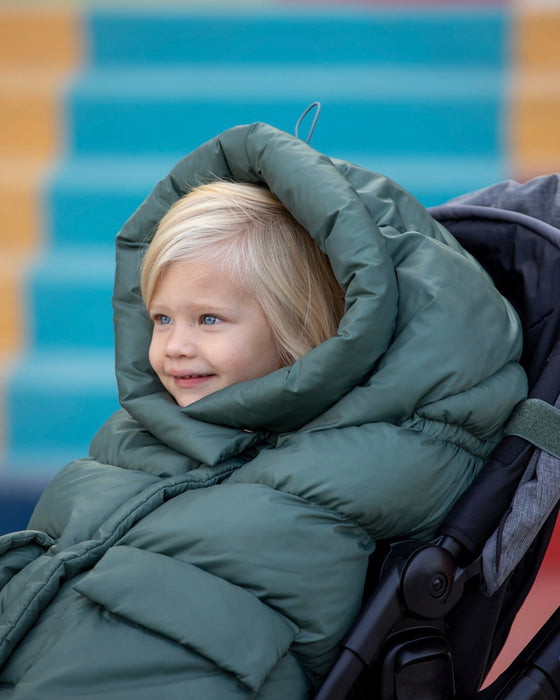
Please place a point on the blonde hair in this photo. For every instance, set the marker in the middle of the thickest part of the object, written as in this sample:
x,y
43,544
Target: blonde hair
x,y
245,229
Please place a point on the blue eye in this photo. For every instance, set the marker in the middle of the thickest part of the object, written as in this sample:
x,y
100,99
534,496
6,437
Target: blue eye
x,y
163,320
209,320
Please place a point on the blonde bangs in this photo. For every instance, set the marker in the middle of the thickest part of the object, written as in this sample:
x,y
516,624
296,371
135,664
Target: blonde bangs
x,y
249,233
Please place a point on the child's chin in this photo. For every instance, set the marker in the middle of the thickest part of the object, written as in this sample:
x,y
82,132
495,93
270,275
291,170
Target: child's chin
x,y
183,401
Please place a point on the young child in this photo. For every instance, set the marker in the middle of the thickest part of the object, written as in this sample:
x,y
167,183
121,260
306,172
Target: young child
x,y
235,288
307,363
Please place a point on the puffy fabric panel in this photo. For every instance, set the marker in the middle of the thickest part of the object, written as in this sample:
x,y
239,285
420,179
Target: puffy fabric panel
x,y
83,651
19,549
282,548
190,608
58,512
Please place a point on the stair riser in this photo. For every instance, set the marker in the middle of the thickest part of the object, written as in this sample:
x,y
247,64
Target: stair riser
x,y
284,36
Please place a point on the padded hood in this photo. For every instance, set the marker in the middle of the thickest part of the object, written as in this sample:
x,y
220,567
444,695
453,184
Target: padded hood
x,y
358,219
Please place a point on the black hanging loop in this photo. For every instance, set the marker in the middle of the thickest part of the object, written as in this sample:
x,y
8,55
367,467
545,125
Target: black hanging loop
x,y
313,124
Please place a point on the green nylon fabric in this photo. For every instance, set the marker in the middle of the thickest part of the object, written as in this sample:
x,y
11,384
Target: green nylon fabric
x,y
220,550
539,423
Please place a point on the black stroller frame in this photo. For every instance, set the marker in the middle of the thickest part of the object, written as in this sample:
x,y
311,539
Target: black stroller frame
x,y
434,623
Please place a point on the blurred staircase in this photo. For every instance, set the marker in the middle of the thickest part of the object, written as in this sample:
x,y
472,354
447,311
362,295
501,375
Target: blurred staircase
x,y
419,95
39,47
37,50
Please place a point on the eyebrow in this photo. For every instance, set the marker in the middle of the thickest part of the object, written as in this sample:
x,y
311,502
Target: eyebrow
x,y
197,306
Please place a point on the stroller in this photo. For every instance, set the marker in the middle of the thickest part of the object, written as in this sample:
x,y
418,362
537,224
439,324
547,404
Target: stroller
x,y
438,614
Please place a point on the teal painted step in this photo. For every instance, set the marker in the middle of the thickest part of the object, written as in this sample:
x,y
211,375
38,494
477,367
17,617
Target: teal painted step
x,y
432,180
89,199
69,300
57,401
387,111
274,35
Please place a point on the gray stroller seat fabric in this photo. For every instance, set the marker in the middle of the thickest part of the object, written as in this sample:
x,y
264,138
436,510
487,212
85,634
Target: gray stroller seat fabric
x,y
539,490
539,198
534,500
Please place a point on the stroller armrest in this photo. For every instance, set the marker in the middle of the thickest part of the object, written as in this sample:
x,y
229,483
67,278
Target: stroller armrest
x,y
418,580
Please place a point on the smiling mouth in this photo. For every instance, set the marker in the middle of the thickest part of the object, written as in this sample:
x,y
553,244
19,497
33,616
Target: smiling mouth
x,y
186,381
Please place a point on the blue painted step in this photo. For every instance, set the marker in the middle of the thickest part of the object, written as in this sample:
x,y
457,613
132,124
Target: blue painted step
x,y
69,301
89,199
57,401
386,111
434,180
441,36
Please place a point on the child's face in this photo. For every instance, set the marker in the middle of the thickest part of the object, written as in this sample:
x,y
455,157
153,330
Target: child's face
x,y
208,333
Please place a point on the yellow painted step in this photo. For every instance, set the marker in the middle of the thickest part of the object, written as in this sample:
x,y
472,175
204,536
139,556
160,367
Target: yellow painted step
x,y
535,123
11,319
30,113
12,331
40,36
537,42
40,43
535,91
21,218
20,227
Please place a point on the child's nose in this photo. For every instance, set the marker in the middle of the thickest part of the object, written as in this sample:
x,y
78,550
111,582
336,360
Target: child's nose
x,y
181,342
